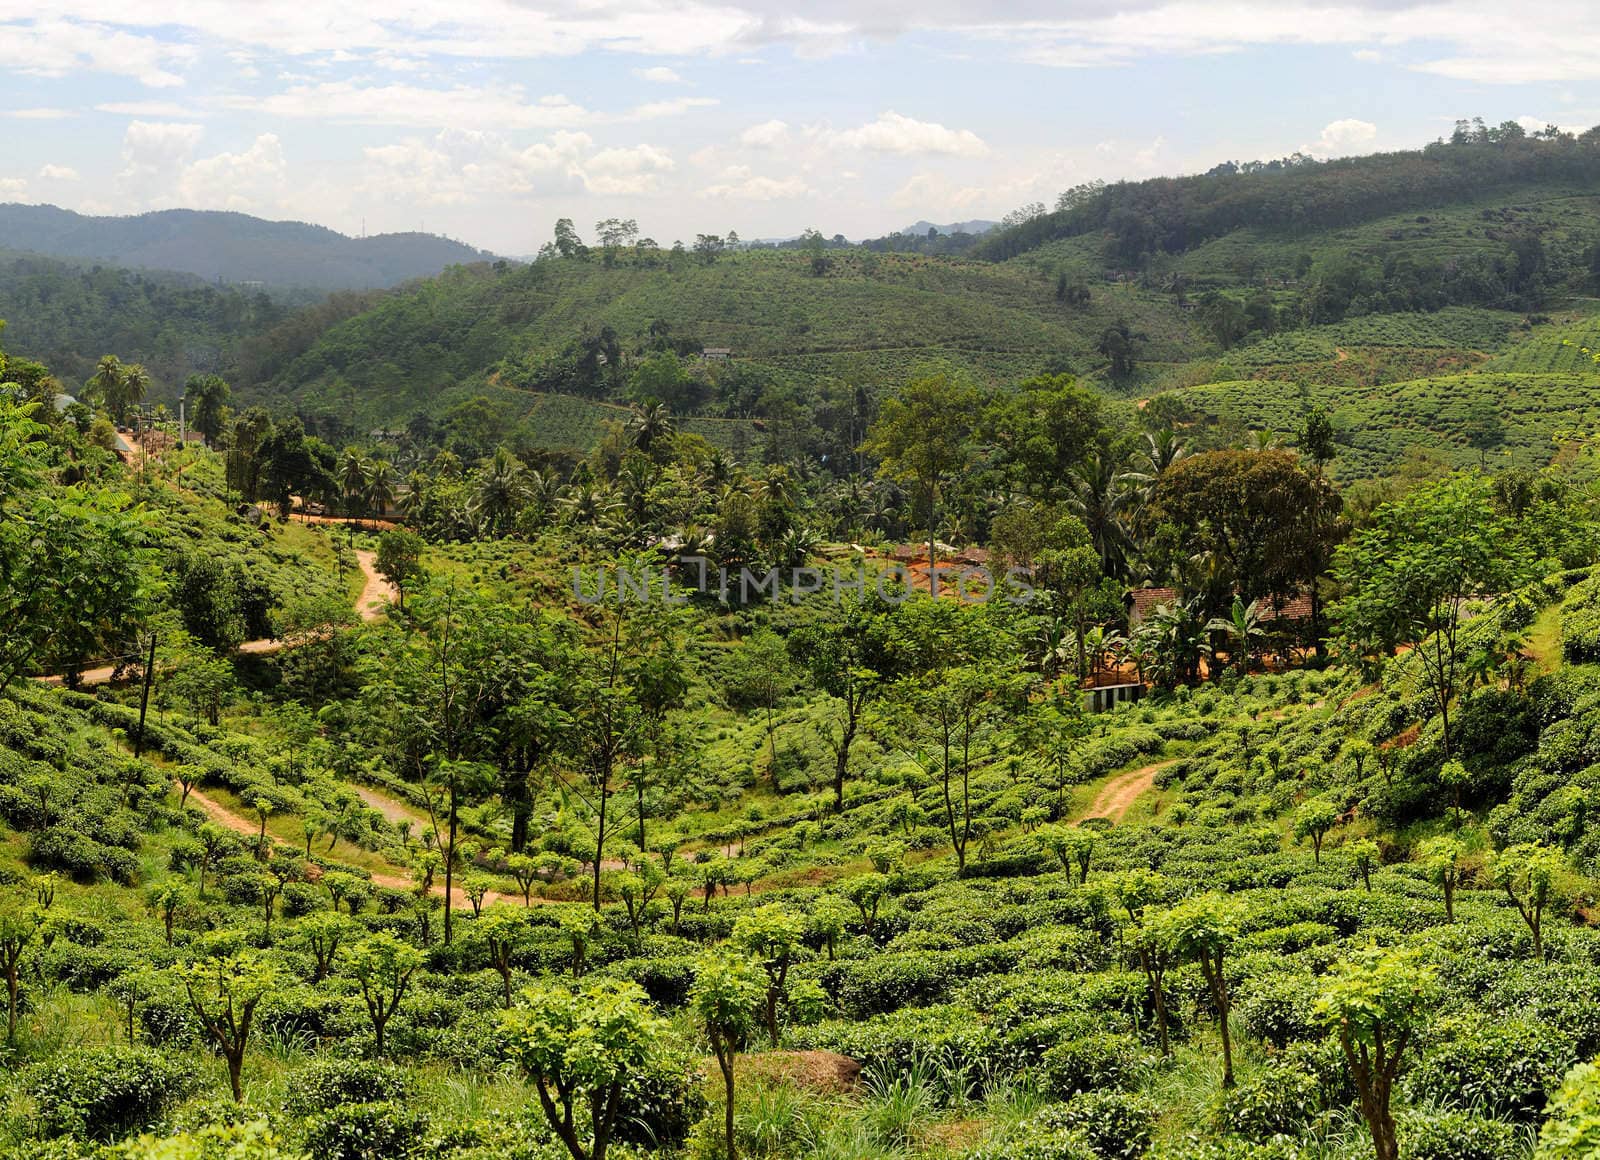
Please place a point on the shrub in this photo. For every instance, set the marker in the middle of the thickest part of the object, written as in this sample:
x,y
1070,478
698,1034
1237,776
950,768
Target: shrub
x,y
1280,1101
59,848
376,1131
1118,1126
1458,1136
101,1093
1089,1063
1279,1008
1034,1141
893,1043
330,1083
1507,1068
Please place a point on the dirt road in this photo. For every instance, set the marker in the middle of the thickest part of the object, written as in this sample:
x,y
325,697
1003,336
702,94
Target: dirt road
x,y
226,818
375,596
1117,796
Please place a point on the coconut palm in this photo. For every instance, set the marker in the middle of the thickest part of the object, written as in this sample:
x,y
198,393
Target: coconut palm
x,y
648,423
135,385
500,492
586,504
720,467
634,482
415,498
541,492
1101,497
353,468
105,385
379,494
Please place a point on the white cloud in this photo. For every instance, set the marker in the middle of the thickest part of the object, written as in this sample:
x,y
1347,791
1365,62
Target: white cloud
x,y
673,108
893,132
55,47
466,167
1343,137
38,114
153,153
403,104
633,171
251,180
767,135
58,173
739,184
155,41
659,75
150,109
13,189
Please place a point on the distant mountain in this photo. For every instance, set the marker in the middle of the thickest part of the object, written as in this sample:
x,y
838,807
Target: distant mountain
x,y
975,226
232,247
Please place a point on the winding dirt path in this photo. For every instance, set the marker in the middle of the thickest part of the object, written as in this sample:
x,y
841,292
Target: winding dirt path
x,y
1117,796
377,592
375,596
229,820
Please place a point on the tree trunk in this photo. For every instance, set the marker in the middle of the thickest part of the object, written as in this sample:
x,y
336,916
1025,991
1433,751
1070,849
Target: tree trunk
x,y
842,760
235,1057
449,873
600,834
725,1061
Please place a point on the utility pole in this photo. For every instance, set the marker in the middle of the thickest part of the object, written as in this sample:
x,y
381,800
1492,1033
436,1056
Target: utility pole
x,y
144,697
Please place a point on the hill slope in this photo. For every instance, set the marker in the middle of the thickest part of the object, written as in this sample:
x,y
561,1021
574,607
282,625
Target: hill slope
x,y
869,320
232,247
67,314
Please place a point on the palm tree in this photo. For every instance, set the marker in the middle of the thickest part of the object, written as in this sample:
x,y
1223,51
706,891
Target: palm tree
x,y
719,467
649,422
415,498
1162,450
1100,497
1243,626
135,385
586,504
634,482
353,469
500,491
541,493
105,385
379,495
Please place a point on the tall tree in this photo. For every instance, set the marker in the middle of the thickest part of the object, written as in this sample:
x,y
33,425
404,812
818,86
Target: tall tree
x,y
923,437
1251,512
852,660
1409,577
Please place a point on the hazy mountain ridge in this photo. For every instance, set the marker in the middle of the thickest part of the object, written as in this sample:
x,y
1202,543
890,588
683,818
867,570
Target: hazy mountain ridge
x,y
232,247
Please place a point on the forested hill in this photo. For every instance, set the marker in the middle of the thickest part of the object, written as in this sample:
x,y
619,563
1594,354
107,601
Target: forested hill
x,y
1172,215
1351,275
232,247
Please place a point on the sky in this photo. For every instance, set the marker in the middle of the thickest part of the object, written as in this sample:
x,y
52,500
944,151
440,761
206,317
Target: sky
x,y
486,120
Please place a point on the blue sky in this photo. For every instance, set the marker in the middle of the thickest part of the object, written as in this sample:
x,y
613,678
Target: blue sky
x,y
488,119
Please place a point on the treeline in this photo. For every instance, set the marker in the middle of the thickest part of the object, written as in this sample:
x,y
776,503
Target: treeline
x,y
1175,214
173,325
